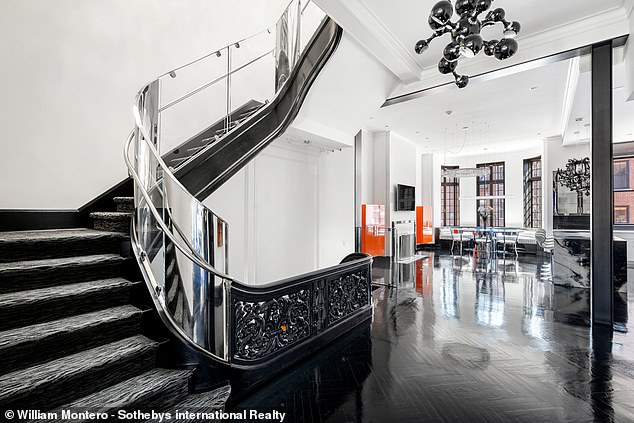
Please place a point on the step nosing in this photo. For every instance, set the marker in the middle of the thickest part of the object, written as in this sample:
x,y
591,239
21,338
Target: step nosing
x,y
64,291
149,383
17,336
55,235
60,262
31,378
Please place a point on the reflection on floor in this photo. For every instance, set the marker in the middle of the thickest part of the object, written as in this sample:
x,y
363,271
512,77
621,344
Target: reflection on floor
x,y
454,340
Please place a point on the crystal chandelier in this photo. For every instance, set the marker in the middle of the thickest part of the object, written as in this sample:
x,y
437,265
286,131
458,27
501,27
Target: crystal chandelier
x,y
465,34
465,172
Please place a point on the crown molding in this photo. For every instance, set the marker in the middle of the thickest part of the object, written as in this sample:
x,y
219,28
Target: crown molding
x,y
370,32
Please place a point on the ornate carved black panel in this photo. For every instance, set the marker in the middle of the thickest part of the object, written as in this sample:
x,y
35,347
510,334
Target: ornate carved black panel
x,y
265,327
293,316
347,294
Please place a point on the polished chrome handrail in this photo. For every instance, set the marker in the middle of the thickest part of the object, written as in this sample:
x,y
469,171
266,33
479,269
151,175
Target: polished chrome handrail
x,y
191,253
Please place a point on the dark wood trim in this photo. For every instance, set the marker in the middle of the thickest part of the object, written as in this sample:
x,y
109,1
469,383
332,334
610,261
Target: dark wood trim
x,y
601,226
34,219
104,202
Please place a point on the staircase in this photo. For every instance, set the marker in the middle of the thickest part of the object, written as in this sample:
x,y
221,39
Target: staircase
x,y
71,324
210,136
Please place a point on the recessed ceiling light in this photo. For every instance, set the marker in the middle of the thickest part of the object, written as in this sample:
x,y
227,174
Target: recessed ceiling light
x,y
533,89
371,117
465,128
539,133
448,112
417,132
387,126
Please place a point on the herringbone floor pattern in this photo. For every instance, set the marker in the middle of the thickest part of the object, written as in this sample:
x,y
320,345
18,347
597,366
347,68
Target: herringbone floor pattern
x,y
458,342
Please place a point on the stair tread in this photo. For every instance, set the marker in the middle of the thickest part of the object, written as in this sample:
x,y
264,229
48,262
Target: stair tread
x,y
61,291
111,215
133,389
210,400
13,337
44,264
30,380
123,199
56,235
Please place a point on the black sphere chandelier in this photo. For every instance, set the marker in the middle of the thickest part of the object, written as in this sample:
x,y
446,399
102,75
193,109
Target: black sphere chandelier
x,y
465,34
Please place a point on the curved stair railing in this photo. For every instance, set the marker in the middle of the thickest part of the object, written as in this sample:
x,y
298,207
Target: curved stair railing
x,y
181,245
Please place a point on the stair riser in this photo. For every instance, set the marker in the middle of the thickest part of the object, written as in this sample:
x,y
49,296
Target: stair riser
x,y
25,279
125,207
19,251
64,388
122,226
24,314
58,345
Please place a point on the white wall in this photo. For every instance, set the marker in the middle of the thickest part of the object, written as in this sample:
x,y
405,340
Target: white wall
x,y
367,167
290,211
348,90
70,71
514,185
336,206
389,159
403,170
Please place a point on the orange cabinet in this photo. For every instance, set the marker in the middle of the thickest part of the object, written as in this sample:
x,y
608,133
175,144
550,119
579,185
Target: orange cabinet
x,y
424,225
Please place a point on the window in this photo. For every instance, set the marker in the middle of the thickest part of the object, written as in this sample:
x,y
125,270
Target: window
x,y
533,192
492,185
621,174
449,194
621,214
623,189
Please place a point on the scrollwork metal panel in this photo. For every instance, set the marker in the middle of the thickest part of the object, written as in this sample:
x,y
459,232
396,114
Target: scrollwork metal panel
x,y
347,294
265,327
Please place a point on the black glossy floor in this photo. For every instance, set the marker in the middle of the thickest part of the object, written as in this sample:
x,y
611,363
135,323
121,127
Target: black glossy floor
x,y
458,341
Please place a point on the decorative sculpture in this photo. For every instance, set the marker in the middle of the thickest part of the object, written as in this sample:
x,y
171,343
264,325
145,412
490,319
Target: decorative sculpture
x,y
576,177
465,34
484,212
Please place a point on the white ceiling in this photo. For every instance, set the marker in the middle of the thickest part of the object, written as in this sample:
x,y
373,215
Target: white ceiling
x,y
390,29
407,20
505,114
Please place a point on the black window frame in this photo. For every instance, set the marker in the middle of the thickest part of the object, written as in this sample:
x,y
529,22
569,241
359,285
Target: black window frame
x,y
533,207
626,161
447,185
487,184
